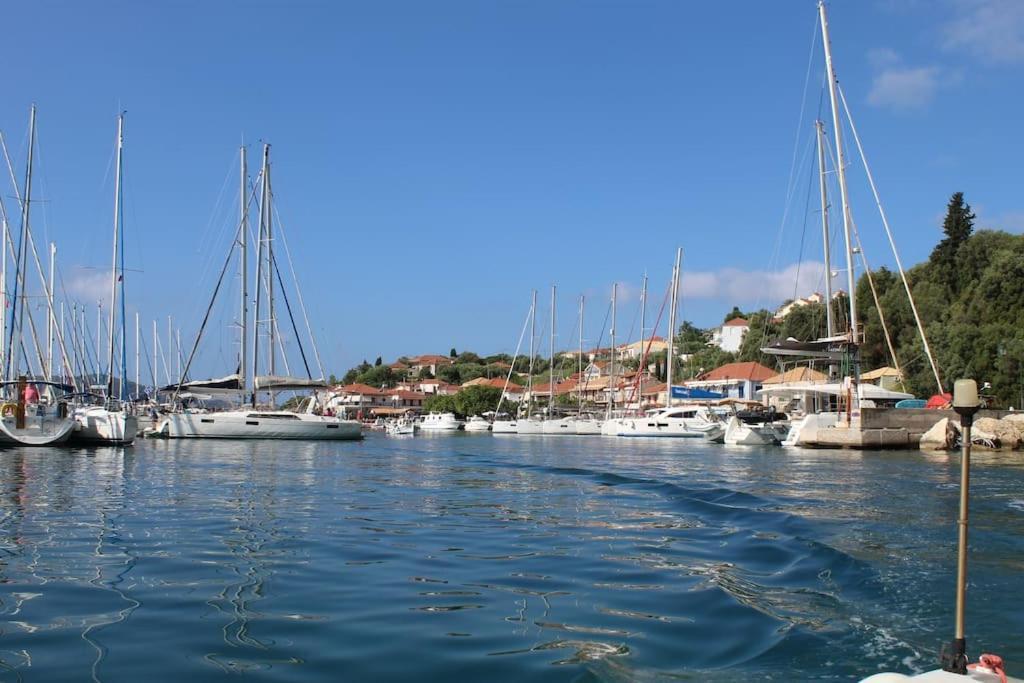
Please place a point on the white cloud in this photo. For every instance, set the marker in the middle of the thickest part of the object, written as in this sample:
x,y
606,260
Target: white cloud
x,y
88,285
759,287
991,30
901,87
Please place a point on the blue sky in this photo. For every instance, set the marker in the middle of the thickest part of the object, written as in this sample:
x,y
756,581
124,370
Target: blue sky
x,y
434,162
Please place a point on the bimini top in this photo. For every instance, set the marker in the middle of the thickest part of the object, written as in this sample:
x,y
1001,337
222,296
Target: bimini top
x,y
866,391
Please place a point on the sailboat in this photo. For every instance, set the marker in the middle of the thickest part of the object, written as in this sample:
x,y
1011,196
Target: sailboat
x,y
28,417
112,422
511,425
671,420
528,423
842,427
255,422
585,424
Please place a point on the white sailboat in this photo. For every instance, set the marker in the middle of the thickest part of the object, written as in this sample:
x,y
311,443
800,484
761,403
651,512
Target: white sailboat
x,y
112,422
256,422
28,417
670,421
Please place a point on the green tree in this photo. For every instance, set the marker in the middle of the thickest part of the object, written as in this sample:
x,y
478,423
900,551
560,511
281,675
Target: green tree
x,y
452,354
449,373
425,373
440,404
379,361
734,313
958,227
476,400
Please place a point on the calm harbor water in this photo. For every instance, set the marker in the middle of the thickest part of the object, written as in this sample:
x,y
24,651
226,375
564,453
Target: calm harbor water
x,y
474,557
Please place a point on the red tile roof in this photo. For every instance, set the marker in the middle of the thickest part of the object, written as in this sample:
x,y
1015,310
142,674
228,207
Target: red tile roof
x,y
406,395
737,322
746,370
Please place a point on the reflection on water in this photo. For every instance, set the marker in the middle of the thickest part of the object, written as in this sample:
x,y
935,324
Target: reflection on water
x,y
471,557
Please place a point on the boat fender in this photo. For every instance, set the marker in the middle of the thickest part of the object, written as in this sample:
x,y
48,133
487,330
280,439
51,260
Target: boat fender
x,y
8,409
990,664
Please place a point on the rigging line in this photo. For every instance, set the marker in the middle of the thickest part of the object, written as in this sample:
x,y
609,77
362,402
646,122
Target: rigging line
x,y
600,339
512,367
871,282
202,327
643,360
803,233
892,242
298,290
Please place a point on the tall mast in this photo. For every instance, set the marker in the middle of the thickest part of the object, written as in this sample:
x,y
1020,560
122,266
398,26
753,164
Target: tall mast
x,y
611,368
259,272
841,163
243,242
673,304
138,357
269,236
533,335
156,340
113,268
3,291
830,324
643,312
50,319
551,358
579,377
22,256
169,351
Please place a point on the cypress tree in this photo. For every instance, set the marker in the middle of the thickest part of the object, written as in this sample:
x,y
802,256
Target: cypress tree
x,y
958,226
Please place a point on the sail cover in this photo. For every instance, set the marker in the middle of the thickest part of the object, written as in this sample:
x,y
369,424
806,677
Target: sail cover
x,y
267,382
832,349
231,383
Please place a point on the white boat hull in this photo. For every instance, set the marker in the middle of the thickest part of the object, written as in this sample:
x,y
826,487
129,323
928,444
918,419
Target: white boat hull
x,y
247,424
649,427
505,427
737,433
478,425
530,426
803,432
97,425
588,426
48,430
565,425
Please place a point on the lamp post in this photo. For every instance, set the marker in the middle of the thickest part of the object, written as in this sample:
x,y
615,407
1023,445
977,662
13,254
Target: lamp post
x,y
966,403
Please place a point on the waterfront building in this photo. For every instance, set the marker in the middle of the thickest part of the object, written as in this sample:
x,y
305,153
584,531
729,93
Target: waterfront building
x,y
734,380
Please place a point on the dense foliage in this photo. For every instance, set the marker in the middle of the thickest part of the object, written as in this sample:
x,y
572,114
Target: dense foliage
x,y
475,400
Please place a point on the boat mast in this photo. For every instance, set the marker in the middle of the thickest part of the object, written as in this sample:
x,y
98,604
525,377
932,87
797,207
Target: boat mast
x,y
673,302
260,239
841,163
533,335
50,321
269,236
3,288
829,322
243,242
17,325
551,358
611,367
579,377
113,268
156,341
138,355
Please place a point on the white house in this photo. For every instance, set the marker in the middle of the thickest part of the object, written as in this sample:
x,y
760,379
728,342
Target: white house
x,y
729,336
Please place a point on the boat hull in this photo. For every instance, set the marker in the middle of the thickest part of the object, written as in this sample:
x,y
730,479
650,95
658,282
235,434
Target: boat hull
x,y
38,431
98,425
645,427
505,427
255,425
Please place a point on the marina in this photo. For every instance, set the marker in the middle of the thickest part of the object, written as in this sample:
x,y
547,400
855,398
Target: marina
x,y
623,422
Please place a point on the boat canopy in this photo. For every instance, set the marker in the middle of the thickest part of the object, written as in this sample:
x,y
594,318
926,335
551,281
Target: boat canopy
x,y
265,382
832,348
866,391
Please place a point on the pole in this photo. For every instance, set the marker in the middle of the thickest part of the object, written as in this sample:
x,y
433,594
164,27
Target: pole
x,y
579,359
673,303
259,273
551,359
844,195
155,361
177,338
3,290
113,268
243,240
50,322
18,325
533,336
830,323
611,366
138,356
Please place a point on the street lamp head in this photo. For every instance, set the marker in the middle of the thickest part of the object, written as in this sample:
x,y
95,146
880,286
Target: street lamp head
x,y
965,397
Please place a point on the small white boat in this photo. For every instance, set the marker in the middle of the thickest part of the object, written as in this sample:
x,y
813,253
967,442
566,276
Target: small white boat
x,y
402,425
477,424
112,425
740,433
440,422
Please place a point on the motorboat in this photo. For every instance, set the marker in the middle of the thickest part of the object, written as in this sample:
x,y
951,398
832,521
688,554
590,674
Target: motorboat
x,y
441,422
714,432
677,421
402,425
477,424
